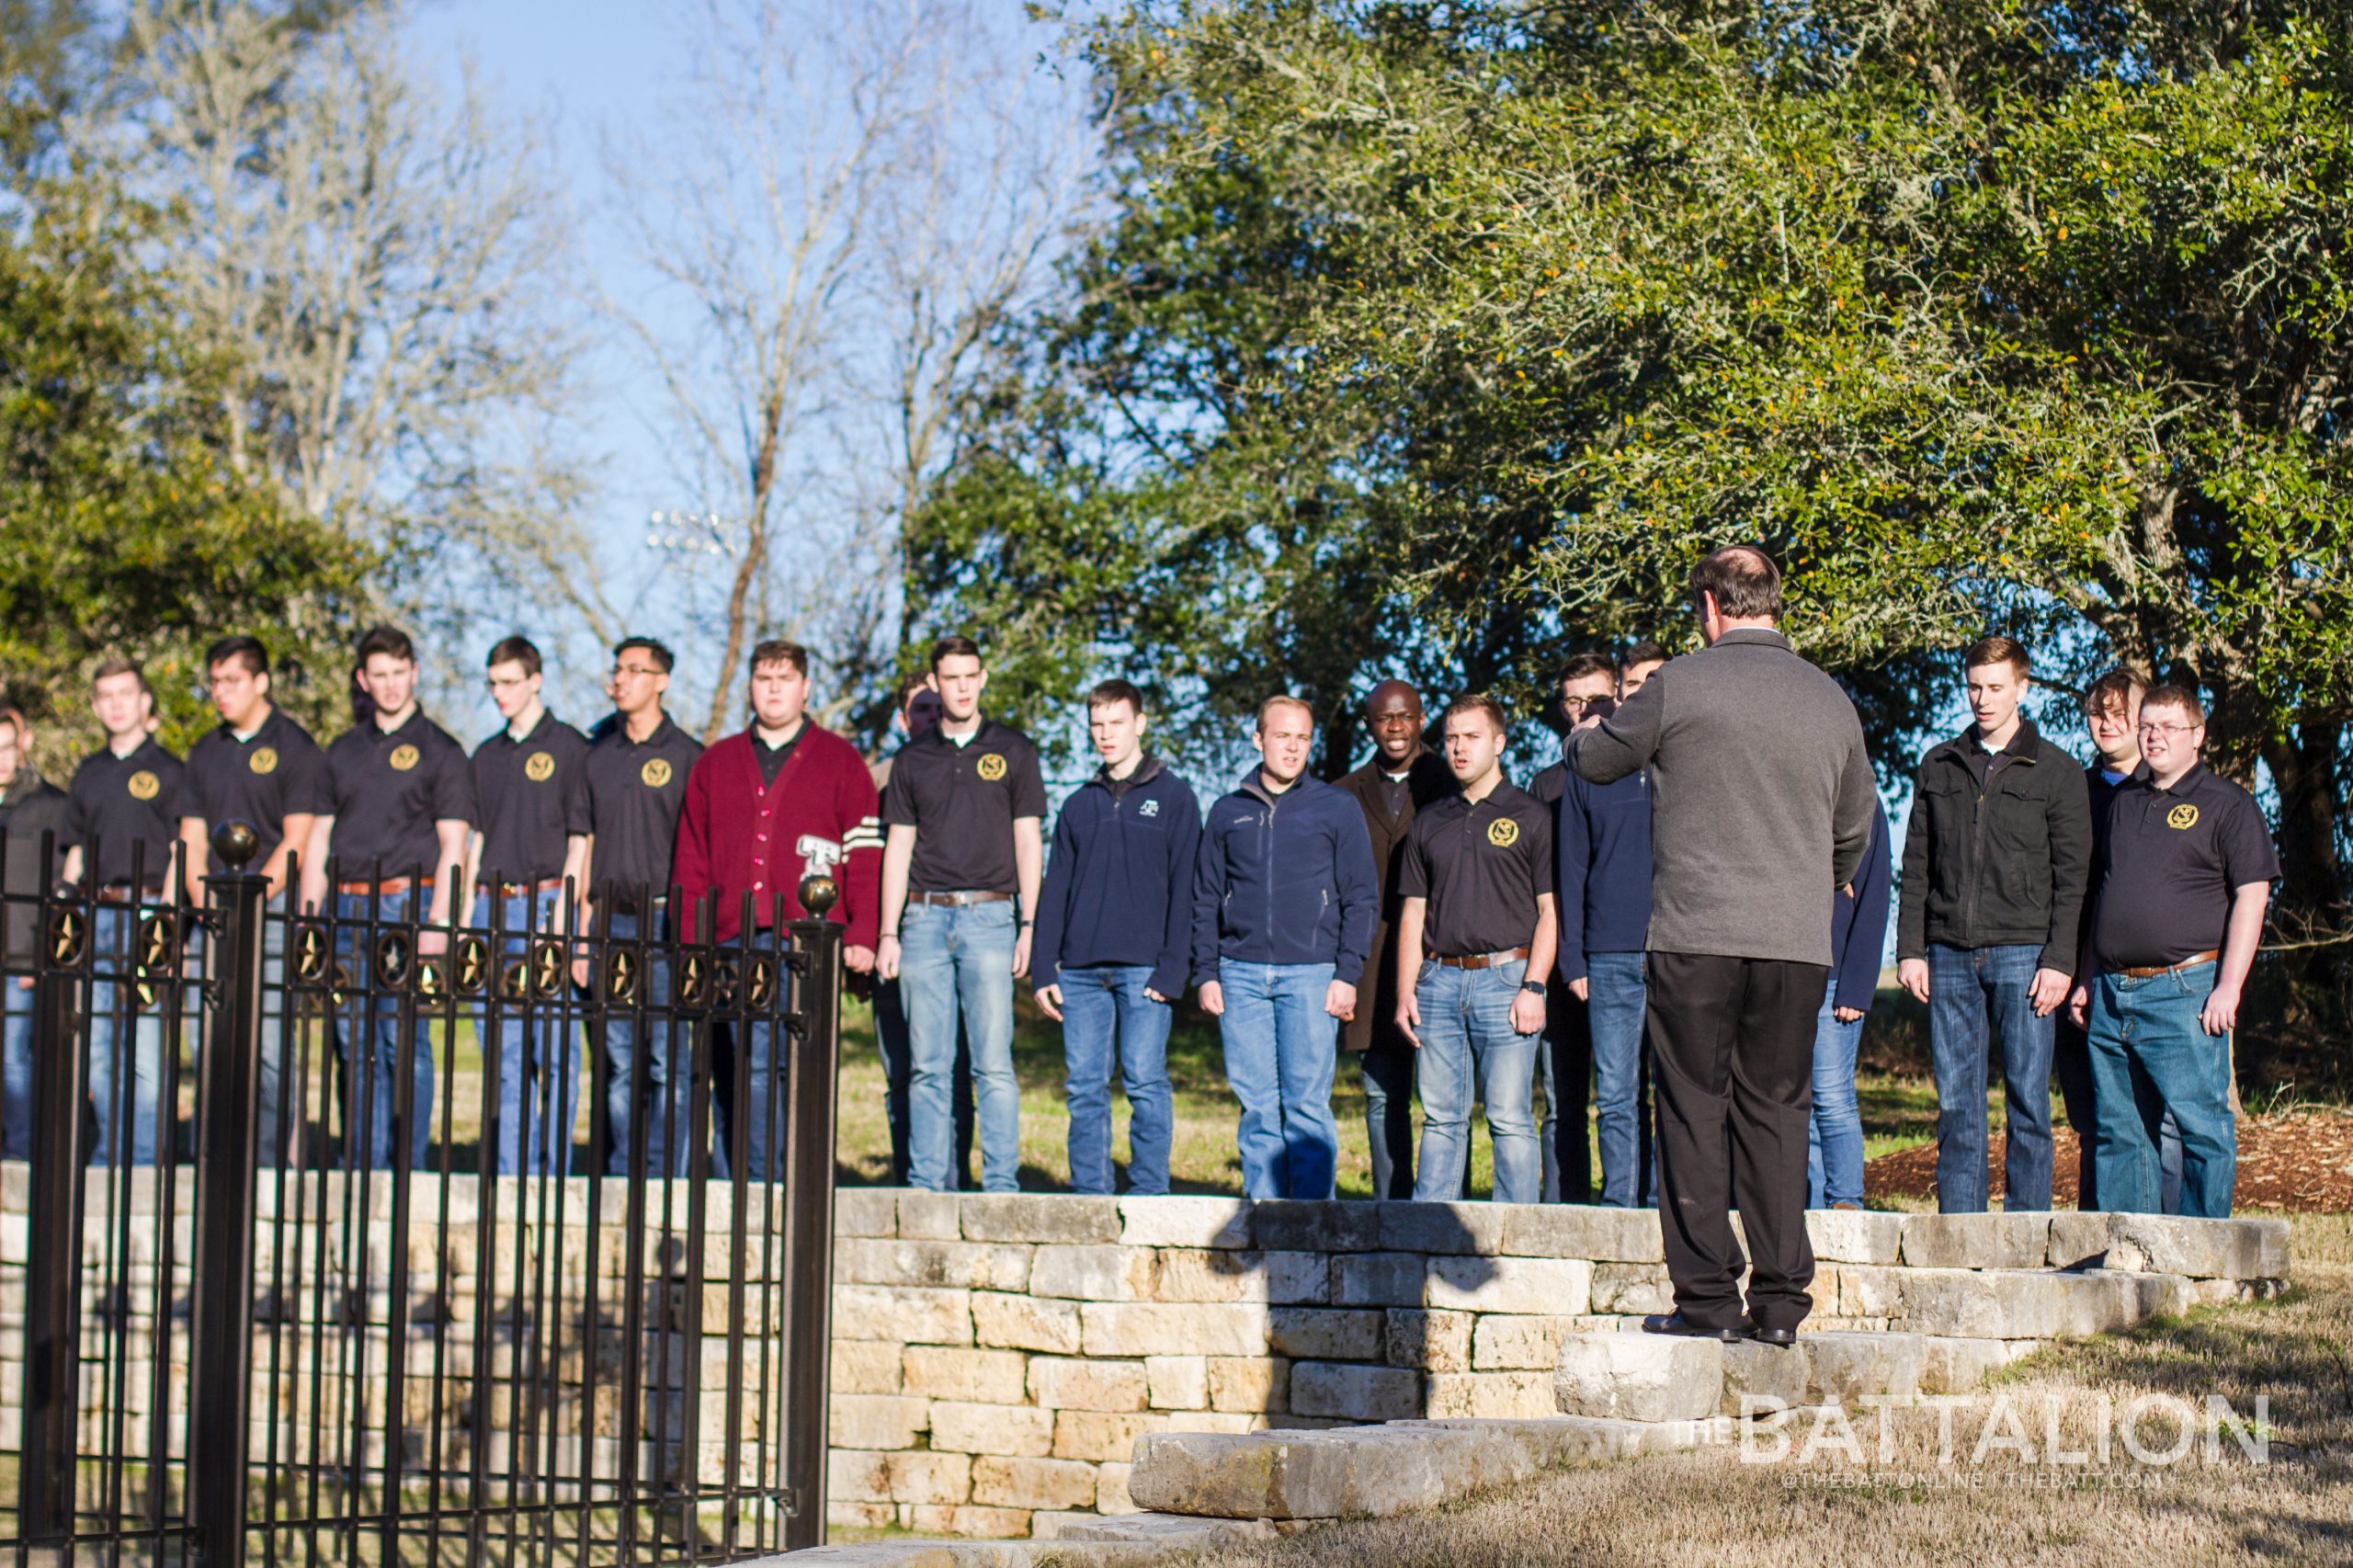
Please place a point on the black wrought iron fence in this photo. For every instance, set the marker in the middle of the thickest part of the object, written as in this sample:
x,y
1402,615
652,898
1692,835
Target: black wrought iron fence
x,y
319,1256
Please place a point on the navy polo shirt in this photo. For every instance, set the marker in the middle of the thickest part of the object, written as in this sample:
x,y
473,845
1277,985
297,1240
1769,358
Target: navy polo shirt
x,y
962,801
387,790
277,772
636,790
125,809
1482,864
2175,857
533,795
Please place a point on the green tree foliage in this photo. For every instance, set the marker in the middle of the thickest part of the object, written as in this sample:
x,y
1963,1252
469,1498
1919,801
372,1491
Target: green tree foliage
x,y
125,530
1481,323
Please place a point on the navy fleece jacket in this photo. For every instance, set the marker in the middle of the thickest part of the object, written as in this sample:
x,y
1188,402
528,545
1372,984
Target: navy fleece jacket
x,y
1602,884
1858,924
1119,885
1285,879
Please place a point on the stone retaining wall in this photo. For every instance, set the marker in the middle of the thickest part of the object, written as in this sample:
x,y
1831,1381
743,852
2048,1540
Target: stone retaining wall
x,y
995,1357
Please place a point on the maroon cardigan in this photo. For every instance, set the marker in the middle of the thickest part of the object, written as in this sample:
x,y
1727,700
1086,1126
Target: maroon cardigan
x,y
735,836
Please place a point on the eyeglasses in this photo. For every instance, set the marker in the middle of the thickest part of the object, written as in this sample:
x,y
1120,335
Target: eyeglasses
x,y
2169,729
621,670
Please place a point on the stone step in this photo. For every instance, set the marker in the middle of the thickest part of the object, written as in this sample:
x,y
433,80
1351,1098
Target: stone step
x,y
1646,1377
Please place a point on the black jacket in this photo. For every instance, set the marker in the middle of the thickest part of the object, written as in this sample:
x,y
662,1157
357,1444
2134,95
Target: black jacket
x,y
2006,864
1427,781
29,807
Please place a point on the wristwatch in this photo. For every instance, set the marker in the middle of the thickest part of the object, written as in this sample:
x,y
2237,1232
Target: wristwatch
x,y
1535,985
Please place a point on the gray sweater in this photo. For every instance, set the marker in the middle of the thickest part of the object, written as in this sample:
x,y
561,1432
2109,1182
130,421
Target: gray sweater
x,y
1761,797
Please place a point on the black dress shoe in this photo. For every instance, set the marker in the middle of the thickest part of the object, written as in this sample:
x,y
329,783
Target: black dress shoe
x,y
1683,1327
1782,1338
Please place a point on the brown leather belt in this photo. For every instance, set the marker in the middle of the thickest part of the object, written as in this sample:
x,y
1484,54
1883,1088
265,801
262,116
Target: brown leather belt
x,y
123,893
1483,960
517,889
956,900
396,885
2152,970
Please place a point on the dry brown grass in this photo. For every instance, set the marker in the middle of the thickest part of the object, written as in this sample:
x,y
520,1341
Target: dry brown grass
x,y
1709,1508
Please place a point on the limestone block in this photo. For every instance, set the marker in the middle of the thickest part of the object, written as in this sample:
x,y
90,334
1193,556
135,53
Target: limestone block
x,y
1223,1420
1507,1344
1638,1377
1959,1365
991,1428
842,1515
1145,1329
1582,1230
1007,1482
1284,1224
1550,1287
1195,1274
2101,1300
857,1476
1976,1240
1822,1289
1436,1228
1309,1333
1855,1235
972,1521
971,1265
1632,1287
1429,1339
1184,1221
1844,1366
1177,1383
1975,1304
1253,1384
1063,1218
2225,1249
1760,1377
1111,1488
866,1211
876,1420
929,1215
1377,1471
925,1475
981,1377
1869,1290
1524,1395
1058,1383
906,1316
865,1366
1160,1536
2079,1240
1554,1442
1098,1436
1094,1273
1025,1322
1354,1392
1379,1279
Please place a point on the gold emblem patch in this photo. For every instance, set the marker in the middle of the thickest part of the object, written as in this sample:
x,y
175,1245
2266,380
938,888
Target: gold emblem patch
x,y
263,760
540,766
990,768
145,785
404,758
1502,832
2184,815
656,772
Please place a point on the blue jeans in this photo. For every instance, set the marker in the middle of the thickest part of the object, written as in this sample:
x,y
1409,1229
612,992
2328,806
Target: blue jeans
x,y
1833,1139
114,1006
758,1107
897,1050
1975,997
1389,1117
2150,1056
539,1077
652,1081
1105,1011
15,1068
1468,1043
1617,999
369,1069
957,965
1280,1051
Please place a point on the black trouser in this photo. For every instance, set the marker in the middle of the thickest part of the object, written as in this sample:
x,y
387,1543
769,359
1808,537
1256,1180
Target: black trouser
x,y
1389,1117
1566,1067
1731,1049
2070,1063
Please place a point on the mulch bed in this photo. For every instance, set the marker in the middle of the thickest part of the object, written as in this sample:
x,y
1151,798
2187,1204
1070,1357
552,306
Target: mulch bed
x,y
2300,1160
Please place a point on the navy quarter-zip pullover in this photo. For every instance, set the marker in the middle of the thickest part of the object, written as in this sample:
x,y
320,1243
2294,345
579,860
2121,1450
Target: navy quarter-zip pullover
x,y
1602,887
1119,879
1285,879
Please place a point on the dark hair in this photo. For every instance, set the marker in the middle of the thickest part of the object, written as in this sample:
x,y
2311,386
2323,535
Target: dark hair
x,y
1110,691
1579,666
1997,649
2113,689
1645,653
1284,699
908,687
247,649
776,651
1745,583
2172,695
1479,702
657,651
113,667
13,718
953,646
515,651
388,640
